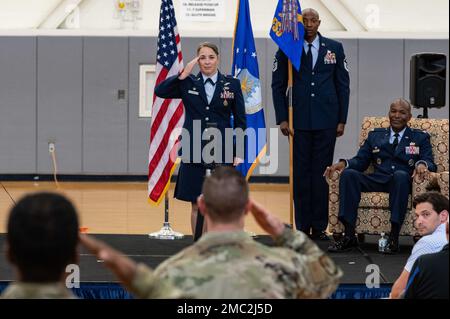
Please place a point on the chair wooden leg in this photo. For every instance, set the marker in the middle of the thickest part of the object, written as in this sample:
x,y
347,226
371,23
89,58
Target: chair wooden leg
x,y
361,238
337,236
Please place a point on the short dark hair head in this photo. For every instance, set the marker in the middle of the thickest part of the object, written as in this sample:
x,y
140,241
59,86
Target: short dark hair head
x,y
434,197
311,10
403,102
42,236
210,45
225,193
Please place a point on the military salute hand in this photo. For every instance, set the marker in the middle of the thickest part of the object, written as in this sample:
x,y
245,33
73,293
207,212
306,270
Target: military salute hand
x,y
331,169
284,127
270,223
420,170
188,69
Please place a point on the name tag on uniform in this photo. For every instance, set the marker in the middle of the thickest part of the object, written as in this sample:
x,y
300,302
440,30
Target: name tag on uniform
x,y
376,150
193,92
412,150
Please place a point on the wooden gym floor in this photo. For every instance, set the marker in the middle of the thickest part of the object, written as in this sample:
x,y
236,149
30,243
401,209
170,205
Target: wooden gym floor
x,y
122,207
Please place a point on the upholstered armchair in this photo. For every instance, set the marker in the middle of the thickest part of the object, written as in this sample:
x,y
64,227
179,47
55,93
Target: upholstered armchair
x,y
373,211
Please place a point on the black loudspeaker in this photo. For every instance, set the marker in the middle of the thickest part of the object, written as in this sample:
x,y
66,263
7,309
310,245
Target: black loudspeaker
x,y
427,81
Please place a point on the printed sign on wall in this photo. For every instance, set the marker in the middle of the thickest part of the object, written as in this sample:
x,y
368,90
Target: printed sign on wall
x,y
203,10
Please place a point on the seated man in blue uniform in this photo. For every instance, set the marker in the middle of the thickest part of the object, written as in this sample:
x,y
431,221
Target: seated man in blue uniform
x,y
397,153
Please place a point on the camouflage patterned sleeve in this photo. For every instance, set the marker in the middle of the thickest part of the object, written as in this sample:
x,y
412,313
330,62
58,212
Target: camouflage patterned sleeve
x,y
318,274
146,285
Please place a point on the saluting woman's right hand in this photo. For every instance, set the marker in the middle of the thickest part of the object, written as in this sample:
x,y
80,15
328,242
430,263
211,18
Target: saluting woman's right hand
x,y
188,69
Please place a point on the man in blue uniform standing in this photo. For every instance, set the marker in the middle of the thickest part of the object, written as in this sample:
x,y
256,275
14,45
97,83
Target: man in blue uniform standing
x,y
397,153
320,106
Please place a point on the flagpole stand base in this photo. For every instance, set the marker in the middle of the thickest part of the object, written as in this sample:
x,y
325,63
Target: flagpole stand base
x,y
166,232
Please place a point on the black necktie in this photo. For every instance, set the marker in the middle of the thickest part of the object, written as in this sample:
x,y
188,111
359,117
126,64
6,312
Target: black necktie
x,y
209,80
395,143
309,59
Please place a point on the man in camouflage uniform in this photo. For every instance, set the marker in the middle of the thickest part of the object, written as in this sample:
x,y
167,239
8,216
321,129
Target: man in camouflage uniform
x,y
227,263
41,240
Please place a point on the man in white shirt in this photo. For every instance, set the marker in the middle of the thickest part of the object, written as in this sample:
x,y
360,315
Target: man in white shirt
x,y
431,216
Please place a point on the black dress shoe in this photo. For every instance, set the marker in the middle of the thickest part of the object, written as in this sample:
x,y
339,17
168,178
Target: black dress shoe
x,y
392,246
319,236
344,244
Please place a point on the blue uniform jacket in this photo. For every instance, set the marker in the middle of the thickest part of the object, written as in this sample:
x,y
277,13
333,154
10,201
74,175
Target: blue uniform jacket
x,y
227,100
321,95
413,147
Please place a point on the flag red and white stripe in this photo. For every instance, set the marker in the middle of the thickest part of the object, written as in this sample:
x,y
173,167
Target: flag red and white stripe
x,y
167,114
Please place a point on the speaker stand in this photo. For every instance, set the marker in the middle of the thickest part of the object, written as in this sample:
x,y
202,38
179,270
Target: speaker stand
x,y
424,115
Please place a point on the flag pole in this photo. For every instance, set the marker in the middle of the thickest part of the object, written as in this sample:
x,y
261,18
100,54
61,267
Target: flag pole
x,y
291,24
167,31
291,145
166,232
233,70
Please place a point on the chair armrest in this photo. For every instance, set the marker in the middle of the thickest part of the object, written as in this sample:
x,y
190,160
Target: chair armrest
x,y
334,178
444,182
420,183
334,226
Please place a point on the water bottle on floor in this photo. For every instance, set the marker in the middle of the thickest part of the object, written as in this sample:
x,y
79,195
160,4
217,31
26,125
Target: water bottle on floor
x,y
382,242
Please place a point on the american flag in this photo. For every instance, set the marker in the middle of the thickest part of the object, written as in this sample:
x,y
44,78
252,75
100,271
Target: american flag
x,y
167,114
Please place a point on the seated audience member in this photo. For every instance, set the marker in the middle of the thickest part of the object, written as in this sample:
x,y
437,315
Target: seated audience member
x,y
431,210
429,276
41,241
397,153
226,262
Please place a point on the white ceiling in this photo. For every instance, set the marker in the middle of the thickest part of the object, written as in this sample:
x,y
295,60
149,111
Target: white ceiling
x,y
394,16
25,14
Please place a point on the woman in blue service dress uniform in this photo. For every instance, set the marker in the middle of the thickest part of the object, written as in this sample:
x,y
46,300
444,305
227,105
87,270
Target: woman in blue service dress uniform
x,y
209,98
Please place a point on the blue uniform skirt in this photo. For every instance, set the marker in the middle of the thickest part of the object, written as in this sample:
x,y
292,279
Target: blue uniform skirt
x,y
189,182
